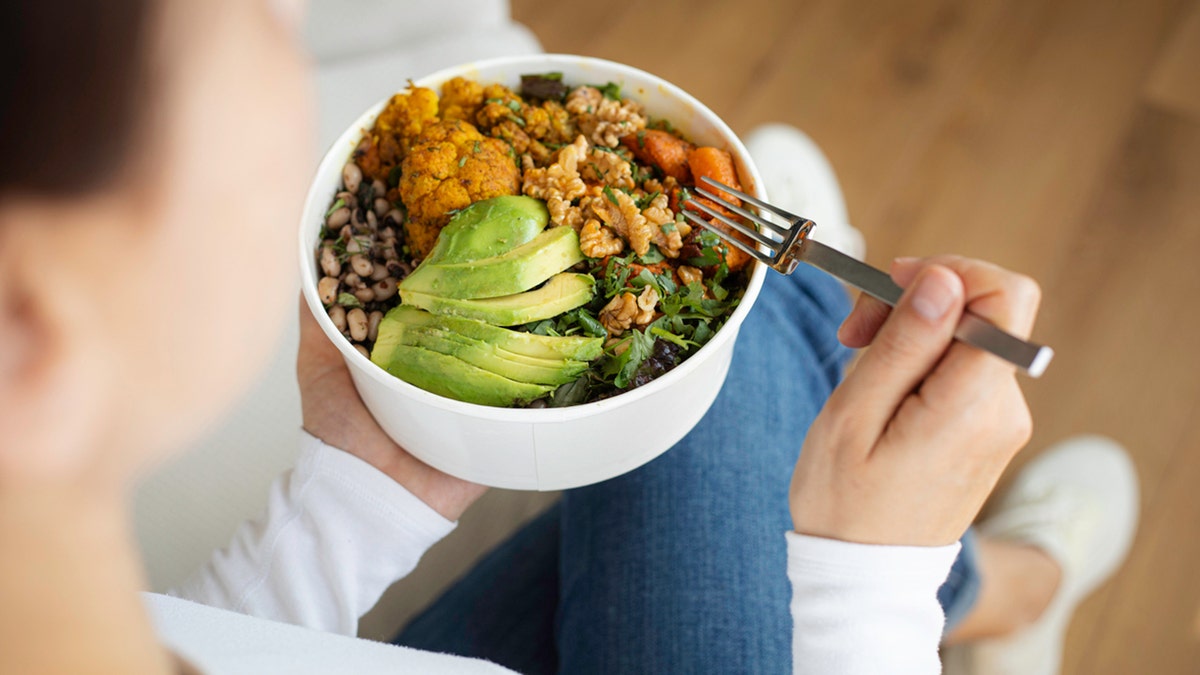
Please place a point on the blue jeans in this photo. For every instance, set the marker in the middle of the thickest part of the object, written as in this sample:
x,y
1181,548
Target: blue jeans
x,y
679,566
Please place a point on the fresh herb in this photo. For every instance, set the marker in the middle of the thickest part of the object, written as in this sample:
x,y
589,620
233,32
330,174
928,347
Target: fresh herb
x,y
462,160
653,255
712,250
622,367
477,147
611,90
517,120
590,325
611,197
545,327
671,337
571,393
646,201
668,228
336,205
641,138
393,178
348,300
514,105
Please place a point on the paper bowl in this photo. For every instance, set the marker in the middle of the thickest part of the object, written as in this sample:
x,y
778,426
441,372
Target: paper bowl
x,y
548,448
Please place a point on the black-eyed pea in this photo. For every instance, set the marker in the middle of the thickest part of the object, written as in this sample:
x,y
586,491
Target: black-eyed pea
x,y
351,177
373,320
380,272
327,289
329,261
394,217
364,294
354,246
349,199
356,321
363,350
361,265
337,314
384,289
372,221
338,218
352,280
378,187
381,206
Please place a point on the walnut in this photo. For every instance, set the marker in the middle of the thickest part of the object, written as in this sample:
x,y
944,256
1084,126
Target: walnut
x,y
602,119
618,315
646,302
598,241
559,183
689,274
619,212
608,168
658,215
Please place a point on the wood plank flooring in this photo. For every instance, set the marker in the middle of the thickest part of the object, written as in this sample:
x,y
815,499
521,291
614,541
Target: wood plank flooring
x,y
1059,138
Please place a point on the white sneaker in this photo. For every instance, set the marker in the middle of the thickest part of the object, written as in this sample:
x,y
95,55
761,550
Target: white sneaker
x,y
1078,502
799,178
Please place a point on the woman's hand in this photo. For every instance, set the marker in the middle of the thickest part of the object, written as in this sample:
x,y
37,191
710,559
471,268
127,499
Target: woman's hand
x,y
334,413
910,445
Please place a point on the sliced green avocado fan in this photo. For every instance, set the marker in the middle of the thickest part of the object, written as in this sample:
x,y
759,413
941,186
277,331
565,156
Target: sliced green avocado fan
x,y
494,265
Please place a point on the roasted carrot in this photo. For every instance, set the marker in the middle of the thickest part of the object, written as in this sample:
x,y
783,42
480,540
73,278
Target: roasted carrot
x,y
663,150
717,165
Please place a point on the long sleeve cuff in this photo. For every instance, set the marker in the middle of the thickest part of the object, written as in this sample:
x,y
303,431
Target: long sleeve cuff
x,y
863,609
337,532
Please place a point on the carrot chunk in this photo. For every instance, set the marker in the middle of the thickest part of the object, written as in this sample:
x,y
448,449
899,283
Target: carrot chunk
x,y
717,165
663,150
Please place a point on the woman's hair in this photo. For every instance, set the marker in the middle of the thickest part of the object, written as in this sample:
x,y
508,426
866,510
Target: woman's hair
x,y
72,76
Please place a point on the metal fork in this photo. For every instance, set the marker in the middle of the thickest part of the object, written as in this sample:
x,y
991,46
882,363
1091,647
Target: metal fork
x,y
794,247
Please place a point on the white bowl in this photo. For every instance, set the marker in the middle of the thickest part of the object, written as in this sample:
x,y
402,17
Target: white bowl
x,y
548,448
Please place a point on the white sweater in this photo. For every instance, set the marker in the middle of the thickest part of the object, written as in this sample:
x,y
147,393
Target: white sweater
x,y
337,533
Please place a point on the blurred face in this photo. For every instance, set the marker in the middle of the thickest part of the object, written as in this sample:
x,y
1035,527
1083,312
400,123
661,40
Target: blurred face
x,y
211,267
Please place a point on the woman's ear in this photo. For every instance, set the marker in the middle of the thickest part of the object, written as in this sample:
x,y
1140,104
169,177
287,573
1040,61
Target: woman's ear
x,y
48,410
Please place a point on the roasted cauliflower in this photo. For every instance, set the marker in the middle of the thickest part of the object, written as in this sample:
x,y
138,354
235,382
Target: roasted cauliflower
x,y
396,129
450,167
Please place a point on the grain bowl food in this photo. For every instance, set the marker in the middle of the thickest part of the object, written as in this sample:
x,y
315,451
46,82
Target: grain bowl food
x,y
543,448
525,246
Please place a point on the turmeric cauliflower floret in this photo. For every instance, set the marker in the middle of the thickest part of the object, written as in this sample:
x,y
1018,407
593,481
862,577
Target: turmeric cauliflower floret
x,y
398,126
450,167
461,99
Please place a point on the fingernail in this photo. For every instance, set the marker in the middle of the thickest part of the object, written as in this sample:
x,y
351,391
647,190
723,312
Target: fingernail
x,y
905,260
932,298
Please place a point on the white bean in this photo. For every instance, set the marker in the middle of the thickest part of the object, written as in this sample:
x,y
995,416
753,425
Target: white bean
x,y
373,321
338,218
329,261
327,289
351,176
356,319
361,265
384,289
337,314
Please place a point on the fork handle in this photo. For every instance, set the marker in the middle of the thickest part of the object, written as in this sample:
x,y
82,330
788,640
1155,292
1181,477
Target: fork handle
x,y
972,329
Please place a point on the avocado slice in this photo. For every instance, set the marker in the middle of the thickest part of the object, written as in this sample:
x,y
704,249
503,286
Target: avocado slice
x,y
494,359
562,293
454,378
489,228
517,270
571,347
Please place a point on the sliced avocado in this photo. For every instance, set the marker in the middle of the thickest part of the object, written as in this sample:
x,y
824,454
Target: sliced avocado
x,y
494,359
514,271
489,228
526,344
562,293
454,378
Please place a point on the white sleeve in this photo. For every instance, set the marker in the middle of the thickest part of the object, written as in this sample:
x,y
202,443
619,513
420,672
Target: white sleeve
x,y
859,609
337,533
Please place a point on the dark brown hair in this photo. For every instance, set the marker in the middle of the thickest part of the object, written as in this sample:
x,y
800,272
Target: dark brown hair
x,y
72,76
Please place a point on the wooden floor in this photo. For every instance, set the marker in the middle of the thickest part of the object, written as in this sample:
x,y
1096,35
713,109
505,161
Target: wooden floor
x,y
1061,139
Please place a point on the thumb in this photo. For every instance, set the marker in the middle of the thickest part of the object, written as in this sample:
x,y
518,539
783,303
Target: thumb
x,y
906,348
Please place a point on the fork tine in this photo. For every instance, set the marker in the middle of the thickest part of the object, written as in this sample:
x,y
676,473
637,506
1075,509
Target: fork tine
x,y
753,200
725,236
777,229
760,238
